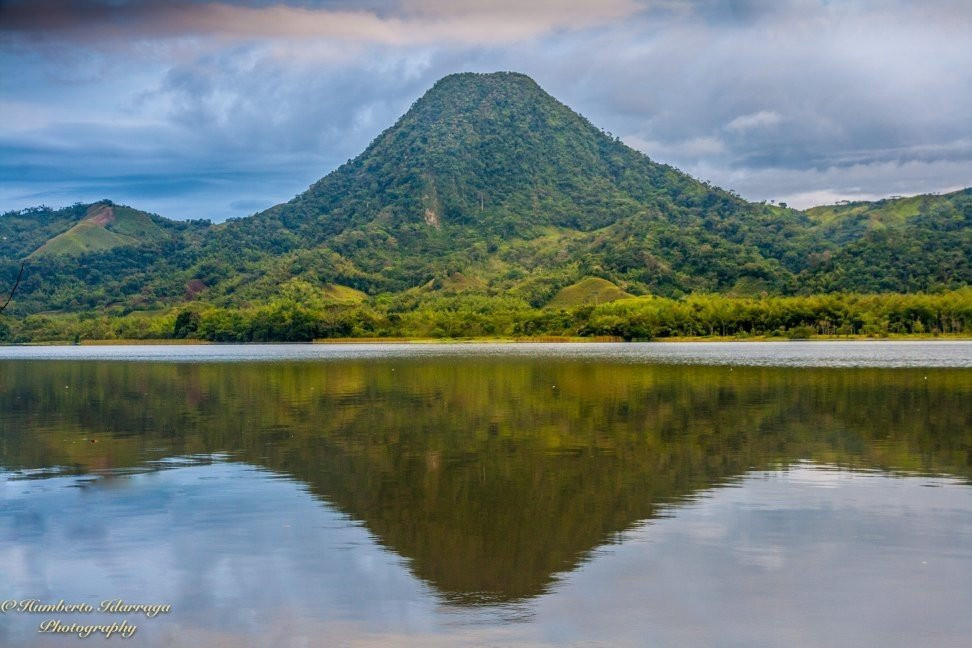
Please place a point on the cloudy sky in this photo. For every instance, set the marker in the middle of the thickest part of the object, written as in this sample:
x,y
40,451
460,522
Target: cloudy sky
x,y
199,109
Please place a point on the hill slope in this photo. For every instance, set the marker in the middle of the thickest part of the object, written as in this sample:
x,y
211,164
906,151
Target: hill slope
x,y
92,256
591,291
104,226
490,176
895,245
487,186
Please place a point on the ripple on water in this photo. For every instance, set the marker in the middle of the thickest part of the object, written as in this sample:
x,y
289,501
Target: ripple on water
x,y
856,353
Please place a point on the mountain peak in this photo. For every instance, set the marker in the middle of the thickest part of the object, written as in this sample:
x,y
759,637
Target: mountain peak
x,y
478,99
475,150
482,159
486,79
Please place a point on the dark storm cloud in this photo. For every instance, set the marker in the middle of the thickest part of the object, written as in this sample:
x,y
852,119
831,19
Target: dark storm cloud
x,y
228,104
398,23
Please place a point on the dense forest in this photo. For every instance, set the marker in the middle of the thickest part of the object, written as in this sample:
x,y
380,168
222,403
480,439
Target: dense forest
x,y
490,208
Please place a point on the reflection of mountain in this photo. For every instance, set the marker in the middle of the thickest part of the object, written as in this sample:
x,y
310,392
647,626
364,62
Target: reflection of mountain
x,y
489,476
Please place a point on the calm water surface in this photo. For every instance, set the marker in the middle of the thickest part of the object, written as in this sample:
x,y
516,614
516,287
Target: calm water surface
x,y
729,494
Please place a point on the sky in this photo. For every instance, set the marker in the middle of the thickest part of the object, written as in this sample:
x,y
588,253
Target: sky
x,y
200,109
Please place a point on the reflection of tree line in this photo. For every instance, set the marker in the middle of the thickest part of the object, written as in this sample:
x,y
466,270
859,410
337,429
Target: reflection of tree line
x,y
490,476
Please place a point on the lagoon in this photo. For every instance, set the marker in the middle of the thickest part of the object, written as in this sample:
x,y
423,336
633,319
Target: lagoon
x,y
584,494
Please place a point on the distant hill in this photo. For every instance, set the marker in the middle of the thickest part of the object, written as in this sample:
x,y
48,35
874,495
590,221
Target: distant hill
x,y
848,221
23,232
487,186
894,245
104,226
94,256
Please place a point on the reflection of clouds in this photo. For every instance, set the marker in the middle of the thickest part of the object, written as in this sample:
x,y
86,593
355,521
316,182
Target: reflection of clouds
x,y
228,546
762,556
818,477
280,632
705,531
854,563
247,557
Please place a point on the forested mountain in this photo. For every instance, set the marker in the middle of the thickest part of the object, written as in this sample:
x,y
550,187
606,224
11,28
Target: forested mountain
x,y
489,181
895,245
490,187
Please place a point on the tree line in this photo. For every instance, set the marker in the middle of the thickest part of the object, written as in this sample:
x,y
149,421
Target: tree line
x,y
298,316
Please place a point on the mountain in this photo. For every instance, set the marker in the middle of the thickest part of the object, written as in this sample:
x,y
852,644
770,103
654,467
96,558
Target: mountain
x,y
489,176
487,186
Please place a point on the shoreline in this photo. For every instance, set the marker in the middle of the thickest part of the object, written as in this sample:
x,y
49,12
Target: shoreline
x,y
507,340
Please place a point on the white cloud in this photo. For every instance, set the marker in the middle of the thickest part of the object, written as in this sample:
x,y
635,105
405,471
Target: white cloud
x,y
696,147
756,120
802,188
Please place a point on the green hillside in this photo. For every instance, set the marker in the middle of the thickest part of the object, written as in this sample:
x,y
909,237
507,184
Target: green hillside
x,y
894,245
490,176
851,219
887,211
104,226
86,236
486,203
95,256
591,290
22,232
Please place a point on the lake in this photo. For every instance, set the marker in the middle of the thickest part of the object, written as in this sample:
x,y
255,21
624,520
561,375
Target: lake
x,y
724,494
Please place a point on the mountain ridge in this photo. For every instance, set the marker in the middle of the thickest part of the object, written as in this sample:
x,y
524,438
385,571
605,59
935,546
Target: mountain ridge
x,y
489,185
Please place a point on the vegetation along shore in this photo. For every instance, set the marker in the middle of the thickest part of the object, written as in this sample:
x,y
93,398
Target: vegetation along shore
x,y
302,318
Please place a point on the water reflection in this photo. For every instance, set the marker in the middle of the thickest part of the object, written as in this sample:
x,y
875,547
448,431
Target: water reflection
x,y
379,495
808,555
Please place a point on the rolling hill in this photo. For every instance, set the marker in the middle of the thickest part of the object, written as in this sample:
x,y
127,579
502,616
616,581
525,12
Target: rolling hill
x,y
591,290
104,226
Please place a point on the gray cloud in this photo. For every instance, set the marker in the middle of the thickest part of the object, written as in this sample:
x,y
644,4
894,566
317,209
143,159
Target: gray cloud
x,y
801,101
414,22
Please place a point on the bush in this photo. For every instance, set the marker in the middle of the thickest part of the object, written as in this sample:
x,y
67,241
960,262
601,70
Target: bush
x,y
800,333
